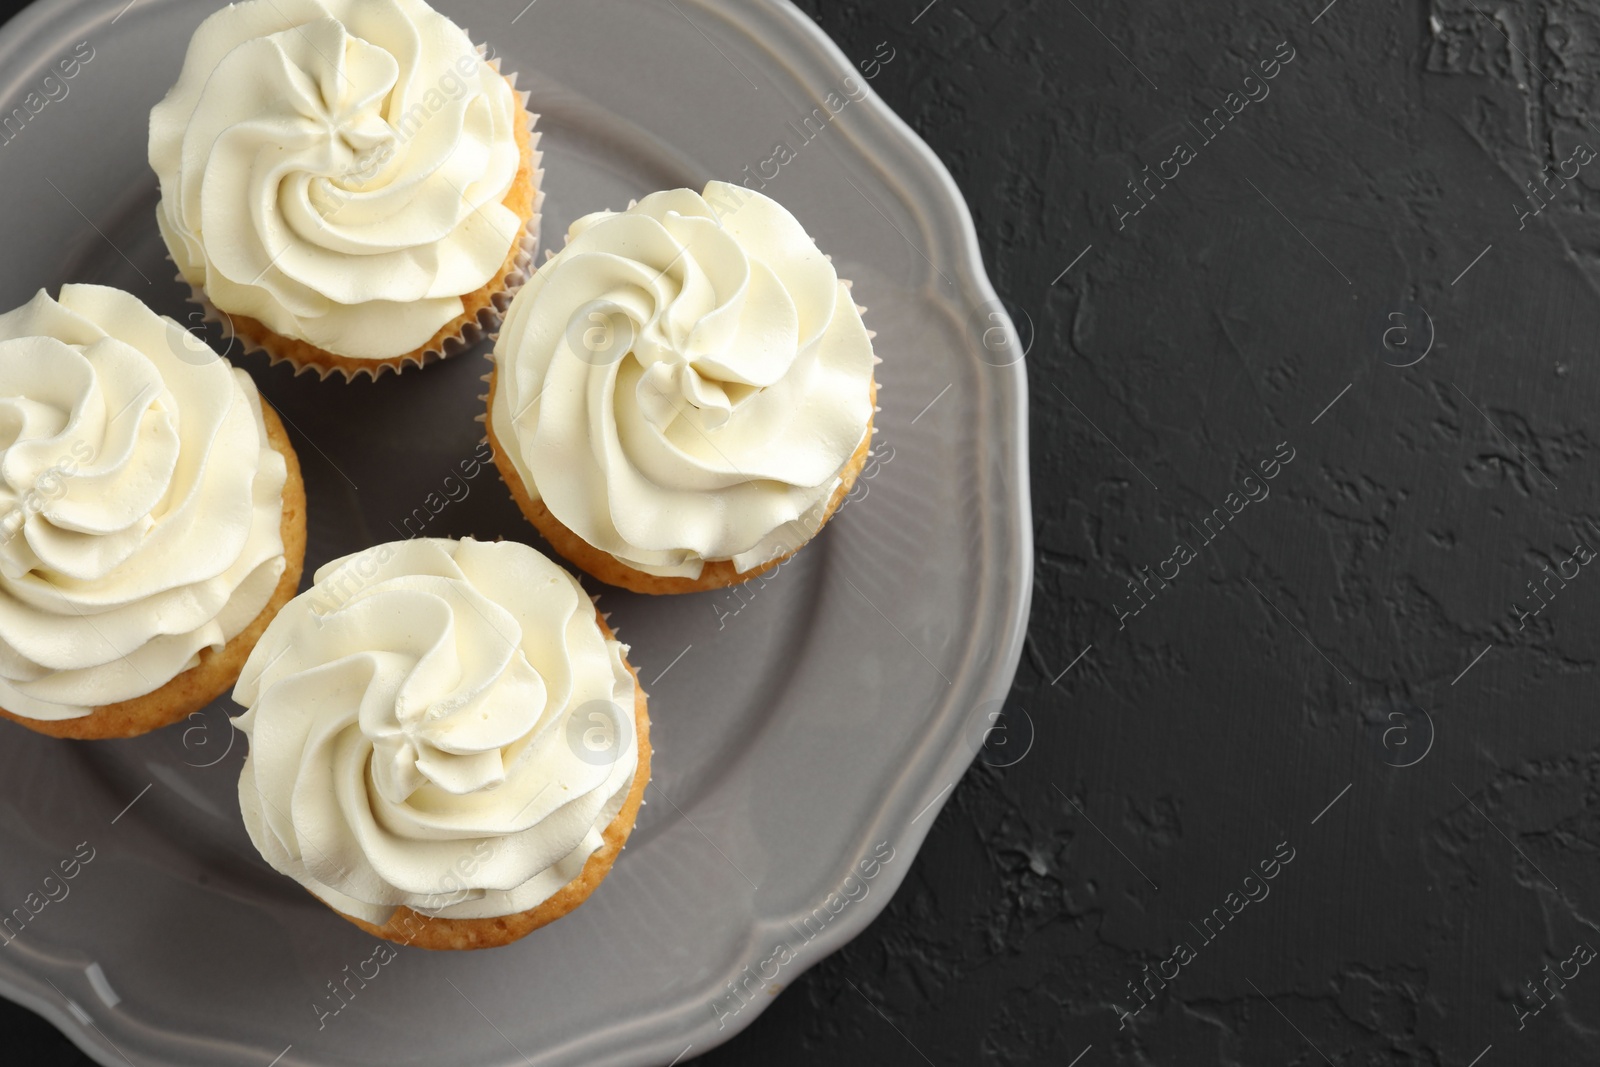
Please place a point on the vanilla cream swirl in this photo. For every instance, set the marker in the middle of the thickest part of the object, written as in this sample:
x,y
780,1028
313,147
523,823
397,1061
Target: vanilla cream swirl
x,y
140,503
437,724
335,170
685,381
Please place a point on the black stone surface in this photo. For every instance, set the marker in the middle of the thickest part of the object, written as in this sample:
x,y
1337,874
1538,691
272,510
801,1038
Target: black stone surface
x,y
1344,680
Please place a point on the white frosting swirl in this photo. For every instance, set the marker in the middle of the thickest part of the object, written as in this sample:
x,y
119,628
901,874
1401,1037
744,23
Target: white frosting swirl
x,y
685,381
437,724
140,503
335,170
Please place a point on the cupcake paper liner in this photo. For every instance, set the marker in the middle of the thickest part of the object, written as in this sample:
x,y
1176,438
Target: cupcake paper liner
x,y
486,323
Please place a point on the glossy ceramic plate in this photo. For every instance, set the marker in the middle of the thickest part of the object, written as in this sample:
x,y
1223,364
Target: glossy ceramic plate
x,y
807,728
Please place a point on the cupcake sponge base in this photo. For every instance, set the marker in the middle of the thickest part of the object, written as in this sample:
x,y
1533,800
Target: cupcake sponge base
x,y
218,669
409,927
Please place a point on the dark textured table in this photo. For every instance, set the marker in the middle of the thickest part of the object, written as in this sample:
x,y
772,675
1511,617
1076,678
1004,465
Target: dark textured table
x,y
1298,767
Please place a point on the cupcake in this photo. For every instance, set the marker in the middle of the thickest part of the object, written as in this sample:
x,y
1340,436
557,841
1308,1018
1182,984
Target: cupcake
x,y
349,185
447,744
683,396
152,517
